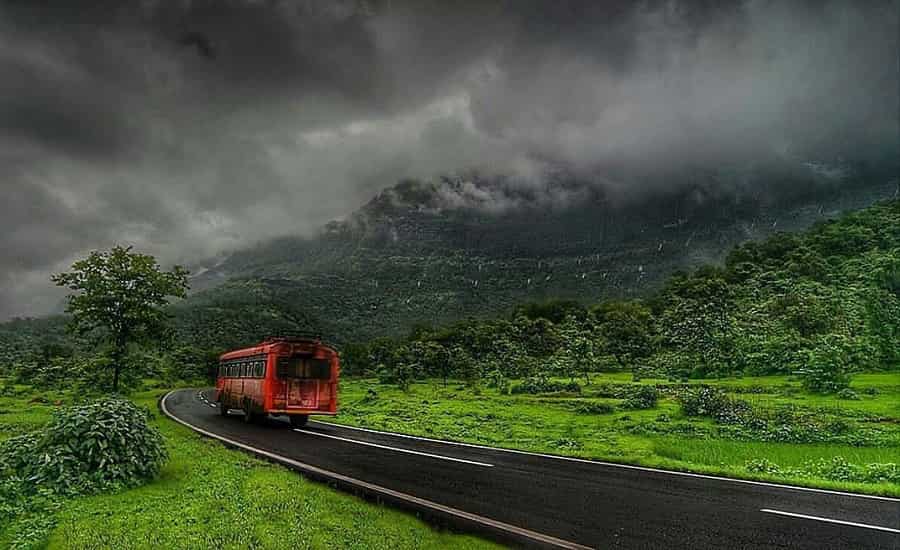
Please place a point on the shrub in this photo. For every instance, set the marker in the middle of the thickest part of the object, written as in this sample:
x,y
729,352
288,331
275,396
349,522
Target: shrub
x,y
642,397
496,379
87,448
762,466
542,384
52,373
370,397
826,368
880,473
848,394
702,401
591,407
836,468
400,374
568,444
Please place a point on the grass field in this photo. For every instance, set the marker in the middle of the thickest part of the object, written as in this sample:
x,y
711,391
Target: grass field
x,y
570,424
208,496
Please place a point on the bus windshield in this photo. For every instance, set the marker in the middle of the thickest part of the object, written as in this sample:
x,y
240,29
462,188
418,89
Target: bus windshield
x,y
304,367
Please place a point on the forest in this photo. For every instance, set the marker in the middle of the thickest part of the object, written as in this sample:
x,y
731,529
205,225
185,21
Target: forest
x,y
821,305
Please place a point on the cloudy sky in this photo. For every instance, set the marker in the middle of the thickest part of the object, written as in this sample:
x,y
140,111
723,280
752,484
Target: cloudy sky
x,y
193,127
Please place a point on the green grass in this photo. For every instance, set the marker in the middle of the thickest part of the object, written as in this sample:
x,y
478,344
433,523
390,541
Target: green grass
x,y
208,496
718,452
554,424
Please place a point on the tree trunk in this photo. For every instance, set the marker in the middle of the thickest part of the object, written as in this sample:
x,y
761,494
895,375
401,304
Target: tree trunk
x,y
118,354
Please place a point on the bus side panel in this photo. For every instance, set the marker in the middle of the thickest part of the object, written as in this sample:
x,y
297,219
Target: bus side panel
x,y
220,387
257,393
328,389
269,383
230,397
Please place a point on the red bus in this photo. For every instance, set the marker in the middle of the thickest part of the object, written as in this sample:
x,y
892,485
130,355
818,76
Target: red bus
x,y
292,376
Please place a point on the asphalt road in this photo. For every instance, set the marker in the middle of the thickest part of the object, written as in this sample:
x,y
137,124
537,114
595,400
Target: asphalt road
x,y
534,499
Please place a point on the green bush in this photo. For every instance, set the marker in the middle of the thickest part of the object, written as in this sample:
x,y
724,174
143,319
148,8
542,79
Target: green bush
x,y
836,468
642,397
542,384
848,395
763,466
370,397
826,367
87,448
496,379
590,407
715,403
52,373
401,374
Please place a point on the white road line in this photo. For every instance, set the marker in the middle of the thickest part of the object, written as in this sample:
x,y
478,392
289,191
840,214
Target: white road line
x,y
617,465
371,487
829,520
398,449
205,400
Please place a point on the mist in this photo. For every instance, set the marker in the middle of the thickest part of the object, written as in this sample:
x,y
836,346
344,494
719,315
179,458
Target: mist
x,y
191,128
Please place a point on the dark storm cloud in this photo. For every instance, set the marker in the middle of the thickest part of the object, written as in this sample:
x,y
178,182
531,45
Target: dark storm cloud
x,y
190,127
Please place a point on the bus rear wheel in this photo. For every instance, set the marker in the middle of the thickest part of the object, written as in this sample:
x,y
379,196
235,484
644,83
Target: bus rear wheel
x,y
299,420
223,409
249,415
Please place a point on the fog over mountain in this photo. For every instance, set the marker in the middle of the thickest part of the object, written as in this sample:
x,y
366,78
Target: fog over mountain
x,y
190,128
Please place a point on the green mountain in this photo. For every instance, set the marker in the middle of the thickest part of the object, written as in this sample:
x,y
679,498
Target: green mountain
x,y
822,303
434,252
426,254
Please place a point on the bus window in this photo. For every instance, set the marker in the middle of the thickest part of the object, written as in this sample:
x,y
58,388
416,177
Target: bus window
x,y
304,367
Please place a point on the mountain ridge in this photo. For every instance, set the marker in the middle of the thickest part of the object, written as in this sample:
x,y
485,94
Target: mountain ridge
x,y
412,256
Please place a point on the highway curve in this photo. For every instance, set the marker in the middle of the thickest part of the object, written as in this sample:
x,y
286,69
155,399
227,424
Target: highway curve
x,y
537,500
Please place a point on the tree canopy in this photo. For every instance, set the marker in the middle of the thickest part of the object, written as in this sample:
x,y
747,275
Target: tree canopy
x,y
121,296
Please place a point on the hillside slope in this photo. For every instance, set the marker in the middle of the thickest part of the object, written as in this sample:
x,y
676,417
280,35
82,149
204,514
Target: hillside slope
x,y
430,253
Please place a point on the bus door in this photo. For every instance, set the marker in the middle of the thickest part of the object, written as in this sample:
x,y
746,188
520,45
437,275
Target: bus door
x,y
301,378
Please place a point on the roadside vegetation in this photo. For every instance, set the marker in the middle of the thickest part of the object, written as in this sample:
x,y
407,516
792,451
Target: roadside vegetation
x,y
781,364
766,428
203,496
86,462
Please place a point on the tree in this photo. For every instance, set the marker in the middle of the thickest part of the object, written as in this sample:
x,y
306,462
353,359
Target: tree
x,y
465,366
121,295
827,368
578,350
436,359
698,319
627,330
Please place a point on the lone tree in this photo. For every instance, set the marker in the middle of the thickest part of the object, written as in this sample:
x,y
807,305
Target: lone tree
x,y
627,329
121,294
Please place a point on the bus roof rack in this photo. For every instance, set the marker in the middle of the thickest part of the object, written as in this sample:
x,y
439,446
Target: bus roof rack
x,y
295,335
299,336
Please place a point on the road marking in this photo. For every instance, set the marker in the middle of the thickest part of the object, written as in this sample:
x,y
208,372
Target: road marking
x,y
398,449
617,465
205,400
829,520
371,487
